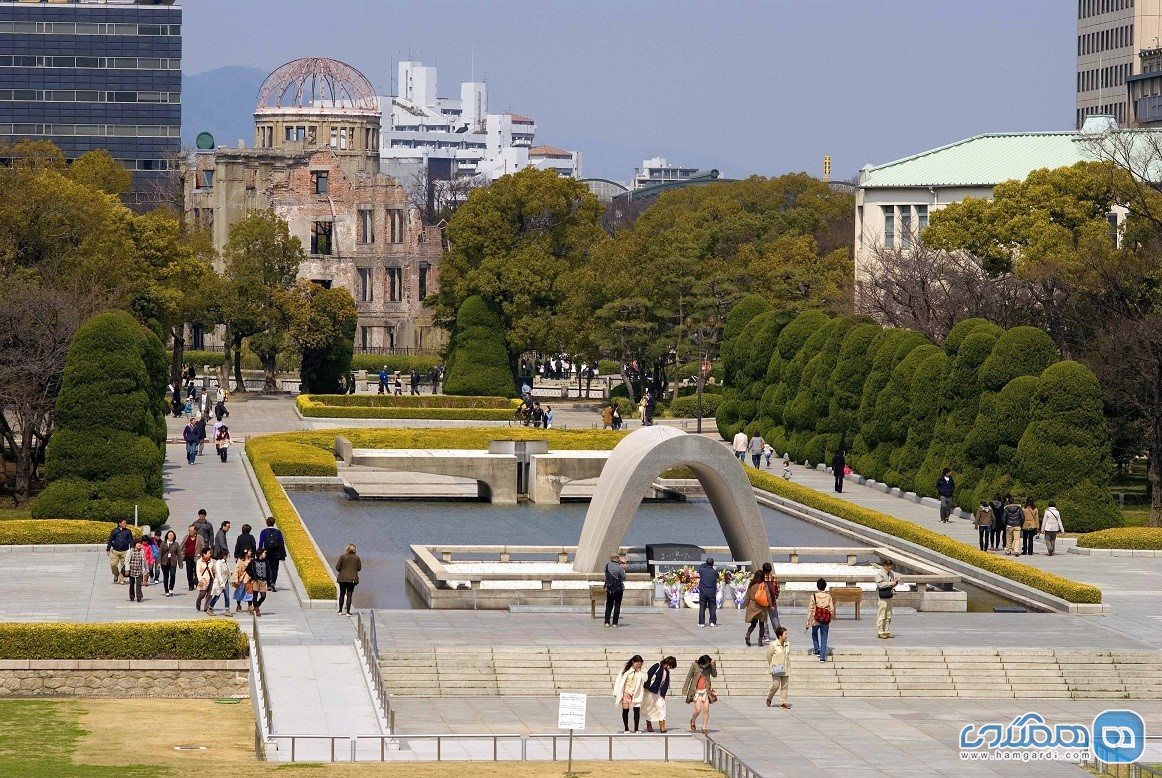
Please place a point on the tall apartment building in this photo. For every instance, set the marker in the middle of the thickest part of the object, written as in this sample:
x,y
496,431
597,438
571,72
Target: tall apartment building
x,y
96,74
1115,39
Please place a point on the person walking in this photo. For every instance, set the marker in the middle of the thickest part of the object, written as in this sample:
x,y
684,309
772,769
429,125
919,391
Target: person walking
x,y
272,541
258,571
614,588
768,452
651,406
838,466
200,427
156,540
1030,526
657,686
740,445
1051,524
222,541
222,441
239,578
757,444
415,382
383,379
707,593
642,410
820,612
607,417
220,411
348,568
136,571
219,583
984,524
945,486
397,383
205,531
628,690
205,572
886,582
119,543
779,664
616,419
756,602
772,584
997,538
245,543
170,557
190,556
699,690
1014,519
190,436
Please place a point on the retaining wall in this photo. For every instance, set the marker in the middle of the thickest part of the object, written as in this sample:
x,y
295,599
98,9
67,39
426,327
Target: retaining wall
x,y
124,678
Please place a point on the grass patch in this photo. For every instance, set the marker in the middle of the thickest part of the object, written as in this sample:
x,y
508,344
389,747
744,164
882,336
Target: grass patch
x,y
313,454
1071,591
93,739
1136,517
10,514
386,406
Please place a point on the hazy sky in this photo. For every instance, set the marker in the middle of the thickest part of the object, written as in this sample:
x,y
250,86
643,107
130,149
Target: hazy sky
x,y
746,87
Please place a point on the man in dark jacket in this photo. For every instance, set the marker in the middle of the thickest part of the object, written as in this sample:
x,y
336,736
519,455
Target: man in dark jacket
x,y
120,541
205,532
383,379
221,542
272,541
944,487
614,588
220,411
415,382
200,427
244,543
1014,518
707,593
997,536
190,436
838,465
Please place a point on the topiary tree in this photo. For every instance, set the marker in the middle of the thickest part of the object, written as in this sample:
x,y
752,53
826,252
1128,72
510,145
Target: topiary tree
x,y
887,430
847,380
105,456
1020,351
887,350
478,363
921,418
1064,453
737,321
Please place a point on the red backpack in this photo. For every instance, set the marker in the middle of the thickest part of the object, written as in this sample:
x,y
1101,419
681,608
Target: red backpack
x,y
822,615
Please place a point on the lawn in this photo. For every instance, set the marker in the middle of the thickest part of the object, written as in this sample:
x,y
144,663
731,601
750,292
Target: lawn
x,y
11,514
92,738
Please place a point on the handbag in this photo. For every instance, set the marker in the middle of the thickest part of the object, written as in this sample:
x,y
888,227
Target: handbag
x,y
712,696
778,669
250,587
822,615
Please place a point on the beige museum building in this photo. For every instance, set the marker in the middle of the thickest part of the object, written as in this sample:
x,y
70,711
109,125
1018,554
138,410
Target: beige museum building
x,y
315,162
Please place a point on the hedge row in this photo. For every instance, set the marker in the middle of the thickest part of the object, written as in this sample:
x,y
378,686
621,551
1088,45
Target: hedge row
x,y
312,453
1064,588
373,363
996,406
411,401
1134,538
34,532
687,407
376,406
204,639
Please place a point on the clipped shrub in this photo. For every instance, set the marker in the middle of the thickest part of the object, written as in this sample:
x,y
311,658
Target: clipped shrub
x,y
815,361
847,380
30,532
373,363
376,406
1056,585
193,640
687,407
1018,351
1132,538
737,321
478,361
920,419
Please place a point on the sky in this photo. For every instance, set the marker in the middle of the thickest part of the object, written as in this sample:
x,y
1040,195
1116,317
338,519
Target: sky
x,y
745,87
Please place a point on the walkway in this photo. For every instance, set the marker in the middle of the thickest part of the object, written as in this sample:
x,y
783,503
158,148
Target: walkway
x,y
1132,586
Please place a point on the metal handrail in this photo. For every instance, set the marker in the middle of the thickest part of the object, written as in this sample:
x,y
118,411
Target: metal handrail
x,y
724,760
261,680
367,643
1133,770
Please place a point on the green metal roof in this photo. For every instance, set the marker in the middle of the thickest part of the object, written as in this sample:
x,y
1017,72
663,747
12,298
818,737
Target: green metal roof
x,y
982,160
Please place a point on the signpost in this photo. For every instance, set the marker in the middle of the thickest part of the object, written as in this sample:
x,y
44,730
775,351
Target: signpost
x,y
571,716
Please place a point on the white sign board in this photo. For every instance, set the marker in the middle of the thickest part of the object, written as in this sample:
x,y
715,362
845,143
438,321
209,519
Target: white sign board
x,y
571,711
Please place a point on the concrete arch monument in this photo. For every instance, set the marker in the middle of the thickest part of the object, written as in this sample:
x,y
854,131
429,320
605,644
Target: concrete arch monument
x,y
632,467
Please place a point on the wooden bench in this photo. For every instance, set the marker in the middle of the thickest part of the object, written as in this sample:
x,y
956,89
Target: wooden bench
x,y
847,594
596,593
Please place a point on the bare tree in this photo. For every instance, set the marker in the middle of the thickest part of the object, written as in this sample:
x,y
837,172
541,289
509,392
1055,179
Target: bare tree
x,y
437,199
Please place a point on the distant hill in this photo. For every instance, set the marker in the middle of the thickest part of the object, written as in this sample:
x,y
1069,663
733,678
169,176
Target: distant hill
x,y
221,102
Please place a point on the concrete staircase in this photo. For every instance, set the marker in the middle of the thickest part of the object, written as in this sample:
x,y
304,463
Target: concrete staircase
x,y
873,672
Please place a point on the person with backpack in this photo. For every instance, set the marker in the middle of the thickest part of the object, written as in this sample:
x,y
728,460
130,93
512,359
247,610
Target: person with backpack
x,y
1051,524
756,602
779,664
820,612
1014,517
614,589
886,581
271,540
772,584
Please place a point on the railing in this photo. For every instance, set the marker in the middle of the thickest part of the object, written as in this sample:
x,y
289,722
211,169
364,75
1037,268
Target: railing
x,y
1135,770
370,648
723,759
260,681
395,350
493,747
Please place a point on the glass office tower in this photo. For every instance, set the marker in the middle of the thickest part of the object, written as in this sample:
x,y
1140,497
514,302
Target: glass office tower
x,y
96,74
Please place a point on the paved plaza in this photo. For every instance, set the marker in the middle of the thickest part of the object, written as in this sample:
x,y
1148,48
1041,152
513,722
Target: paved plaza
x,y
317,685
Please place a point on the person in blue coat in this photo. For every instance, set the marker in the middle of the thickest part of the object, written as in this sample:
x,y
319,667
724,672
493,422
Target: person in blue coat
x,y
707,593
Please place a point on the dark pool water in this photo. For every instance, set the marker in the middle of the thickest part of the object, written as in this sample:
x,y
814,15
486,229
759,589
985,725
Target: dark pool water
x,y
383,531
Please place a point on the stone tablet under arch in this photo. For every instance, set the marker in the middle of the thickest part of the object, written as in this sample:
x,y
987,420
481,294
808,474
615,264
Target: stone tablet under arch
x,y
632,467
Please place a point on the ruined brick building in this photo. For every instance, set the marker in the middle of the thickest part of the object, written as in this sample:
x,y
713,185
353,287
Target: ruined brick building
x,y
315,162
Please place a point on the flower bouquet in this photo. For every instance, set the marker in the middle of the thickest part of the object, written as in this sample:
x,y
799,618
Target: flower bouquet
x,y
688,577
739,583
672,588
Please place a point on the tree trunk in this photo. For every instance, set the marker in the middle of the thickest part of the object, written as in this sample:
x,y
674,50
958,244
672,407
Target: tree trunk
x,y
1154,476
269,372
177,332
240,384
625,379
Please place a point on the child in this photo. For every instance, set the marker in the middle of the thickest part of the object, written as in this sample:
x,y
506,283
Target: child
x,y
148,556
768,452
188,408
136,571
787,469
155,541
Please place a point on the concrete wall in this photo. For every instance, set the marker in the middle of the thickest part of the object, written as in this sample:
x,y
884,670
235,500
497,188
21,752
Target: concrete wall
x,y
124,678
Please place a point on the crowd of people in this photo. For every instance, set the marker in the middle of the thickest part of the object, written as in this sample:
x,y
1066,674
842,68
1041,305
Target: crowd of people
x,y
1005,524
392,382
206,416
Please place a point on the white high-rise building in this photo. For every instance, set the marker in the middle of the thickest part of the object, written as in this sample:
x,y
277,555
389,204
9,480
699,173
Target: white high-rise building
x,y
458,135
1118,47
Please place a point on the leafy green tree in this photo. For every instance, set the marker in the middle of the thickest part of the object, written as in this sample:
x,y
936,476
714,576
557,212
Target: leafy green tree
x,y
99,170
477,359
322,326
262,263
737,321
921,417
1018,351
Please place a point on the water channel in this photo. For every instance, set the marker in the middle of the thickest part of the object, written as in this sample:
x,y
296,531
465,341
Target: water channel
x,y
383,531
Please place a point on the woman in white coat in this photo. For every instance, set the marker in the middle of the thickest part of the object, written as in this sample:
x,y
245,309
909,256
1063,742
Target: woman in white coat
x,y
1051,524
628,690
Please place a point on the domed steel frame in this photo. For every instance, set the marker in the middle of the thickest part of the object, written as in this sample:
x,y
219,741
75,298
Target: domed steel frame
x,y
317,82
